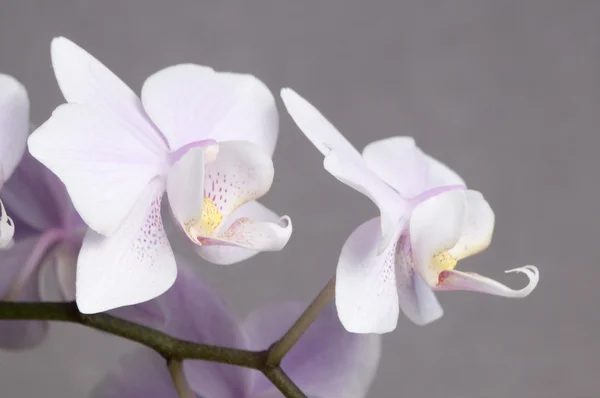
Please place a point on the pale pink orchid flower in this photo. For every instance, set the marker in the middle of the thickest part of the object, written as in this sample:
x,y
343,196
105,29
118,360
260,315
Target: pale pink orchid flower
x,y
203,137
429,221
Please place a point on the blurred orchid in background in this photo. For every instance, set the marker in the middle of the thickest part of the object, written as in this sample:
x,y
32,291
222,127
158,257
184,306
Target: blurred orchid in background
x,y
326,362
204,137
48,232
429,220
14,128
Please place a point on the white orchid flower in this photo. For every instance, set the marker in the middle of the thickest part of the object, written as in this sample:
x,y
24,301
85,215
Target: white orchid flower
x,y
429,221
204,137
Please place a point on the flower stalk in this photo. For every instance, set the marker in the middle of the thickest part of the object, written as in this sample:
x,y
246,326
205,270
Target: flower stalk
x,y
169,347
181,385
281,347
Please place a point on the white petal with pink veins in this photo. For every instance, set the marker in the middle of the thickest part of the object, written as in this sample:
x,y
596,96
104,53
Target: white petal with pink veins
x,y
133,265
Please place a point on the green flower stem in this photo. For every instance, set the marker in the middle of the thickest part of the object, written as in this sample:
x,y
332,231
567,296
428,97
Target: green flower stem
x,y
169,347
281,347
181,385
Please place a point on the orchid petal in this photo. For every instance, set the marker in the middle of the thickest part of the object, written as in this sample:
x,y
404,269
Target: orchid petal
x,y
365,292
14,124
343,161
400,163
391,205
185,188
320,131
191,102
417,300
441,175
142,373
478,227
327,361
227,253
457,280
436,225
20,334
241,173
132,266
102,165
85,80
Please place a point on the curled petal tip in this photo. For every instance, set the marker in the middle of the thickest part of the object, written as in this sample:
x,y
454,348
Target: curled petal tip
x,y
532,273
286,221
530,270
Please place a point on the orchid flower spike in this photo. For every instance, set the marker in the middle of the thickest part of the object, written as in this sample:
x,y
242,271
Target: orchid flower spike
x,y
327,361
14,128
429,220
204,137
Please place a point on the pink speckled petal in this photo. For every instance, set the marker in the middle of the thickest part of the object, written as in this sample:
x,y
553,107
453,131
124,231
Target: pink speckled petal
x,y
242,172
225,253
132,266
250,234
417,300
99,159
365,290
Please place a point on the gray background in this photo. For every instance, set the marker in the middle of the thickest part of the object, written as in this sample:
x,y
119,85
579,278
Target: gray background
x,y
506,92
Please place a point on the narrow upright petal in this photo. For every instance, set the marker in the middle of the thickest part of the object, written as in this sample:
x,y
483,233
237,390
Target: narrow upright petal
x,y
365,290
344,162
391,205
191,102
85,80
14,124
103,165
320,131
400,163
133,265
327,361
